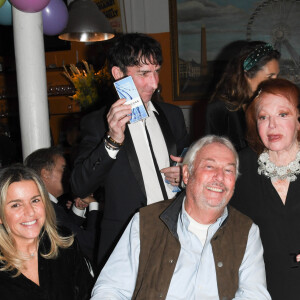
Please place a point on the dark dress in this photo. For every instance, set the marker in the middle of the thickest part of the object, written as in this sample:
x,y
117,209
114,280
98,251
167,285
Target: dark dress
x,y
219,120
65,278
279,225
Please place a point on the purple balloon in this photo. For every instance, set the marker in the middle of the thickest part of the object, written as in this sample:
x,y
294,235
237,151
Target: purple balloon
x,y
55,17
30,5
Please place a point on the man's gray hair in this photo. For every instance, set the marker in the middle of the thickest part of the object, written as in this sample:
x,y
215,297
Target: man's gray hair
x,y
206,140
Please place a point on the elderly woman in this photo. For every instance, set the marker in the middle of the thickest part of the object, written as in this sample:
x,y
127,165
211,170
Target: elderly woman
x,y
256,61
36,260
268,190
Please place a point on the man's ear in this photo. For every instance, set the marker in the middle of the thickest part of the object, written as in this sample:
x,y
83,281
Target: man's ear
x,y
45,174
117,73
185,174
1,221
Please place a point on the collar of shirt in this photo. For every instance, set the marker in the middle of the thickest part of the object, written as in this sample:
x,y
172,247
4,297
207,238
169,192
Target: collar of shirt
x,y
52,198
193,226
151,108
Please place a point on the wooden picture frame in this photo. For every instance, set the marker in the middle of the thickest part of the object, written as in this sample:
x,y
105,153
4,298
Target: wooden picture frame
x,y
188,88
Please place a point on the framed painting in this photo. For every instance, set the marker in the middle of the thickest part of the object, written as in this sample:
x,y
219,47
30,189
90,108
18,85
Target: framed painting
x,y
205,34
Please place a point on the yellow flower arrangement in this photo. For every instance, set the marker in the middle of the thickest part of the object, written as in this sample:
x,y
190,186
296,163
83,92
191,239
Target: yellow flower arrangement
x,y
88,83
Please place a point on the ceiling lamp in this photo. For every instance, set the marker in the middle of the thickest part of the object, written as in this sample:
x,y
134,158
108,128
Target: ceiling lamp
x,y
86,23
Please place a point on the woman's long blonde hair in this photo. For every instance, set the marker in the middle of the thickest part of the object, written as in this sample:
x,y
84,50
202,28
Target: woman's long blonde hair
x,y
10,258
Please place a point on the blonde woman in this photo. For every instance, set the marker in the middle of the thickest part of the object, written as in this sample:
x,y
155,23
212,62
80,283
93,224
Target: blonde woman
x,y
37,260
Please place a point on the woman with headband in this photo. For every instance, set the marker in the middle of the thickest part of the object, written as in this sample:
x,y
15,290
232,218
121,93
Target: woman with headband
x,y
257,61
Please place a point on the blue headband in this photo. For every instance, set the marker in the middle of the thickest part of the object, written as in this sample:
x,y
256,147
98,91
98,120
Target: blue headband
x,y
255,56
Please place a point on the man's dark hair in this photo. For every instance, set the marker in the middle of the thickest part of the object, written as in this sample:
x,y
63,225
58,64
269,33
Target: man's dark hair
x,y
134,49
43,158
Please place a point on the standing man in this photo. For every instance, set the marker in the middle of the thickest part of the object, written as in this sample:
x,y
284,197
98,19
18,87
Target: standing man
x,y
50,165
131,161
193,247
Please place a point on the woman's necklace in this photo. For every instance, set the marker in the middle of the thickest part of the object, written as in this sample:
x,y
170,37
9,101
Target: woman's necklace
x,y
270,170
29,255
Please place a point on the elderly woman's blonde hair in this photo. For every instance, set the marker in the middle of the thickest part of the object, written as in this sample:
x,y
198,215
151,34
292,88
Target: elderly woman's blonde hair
x,y
10,258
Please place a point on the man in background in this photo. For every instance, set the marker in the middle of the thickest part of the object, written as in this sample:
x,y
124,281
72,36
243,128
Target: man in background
x,y
50,164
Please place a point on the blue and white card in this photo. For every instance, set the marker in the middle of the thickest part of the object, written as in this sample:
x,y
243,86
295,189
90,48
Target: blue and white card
x,y
126,88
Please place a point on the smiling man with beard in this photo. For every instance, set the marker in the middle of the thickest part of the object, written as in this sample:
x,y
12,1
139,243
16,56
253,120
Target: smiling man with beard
x,y
193,247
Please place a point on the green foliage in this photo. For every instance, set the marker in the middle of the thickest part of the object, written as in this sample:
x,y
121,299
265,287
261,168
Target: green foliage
x,y
89,85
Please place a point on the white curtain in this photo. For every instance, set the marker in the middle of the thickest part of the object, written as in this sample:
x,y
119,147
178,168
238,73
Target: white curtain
x,y
147,16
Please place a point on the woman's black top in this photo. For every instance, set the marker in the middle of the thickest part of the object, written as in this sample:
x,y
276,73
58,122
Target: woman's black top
x,y
224,122
279,225
65,278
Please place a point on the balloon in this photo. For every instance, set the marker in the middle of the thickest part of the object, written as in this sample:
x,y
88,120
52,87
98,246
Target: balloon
x,y
5,14
1,2
55,17
30,5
